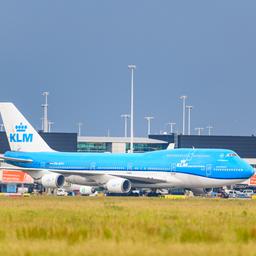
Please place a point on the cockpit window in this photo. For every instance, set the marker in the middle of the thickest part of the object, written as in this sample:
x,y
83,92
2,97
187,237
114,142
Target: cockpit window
x,y
231,154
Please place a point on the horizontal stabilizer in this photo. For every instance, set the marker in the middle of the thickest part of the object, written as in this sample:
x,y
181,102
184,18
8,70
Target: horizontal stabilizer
x,y
13,159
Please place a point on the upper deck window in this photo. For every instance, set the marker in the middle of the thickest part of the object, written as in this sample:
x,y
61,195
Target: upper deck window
x,y
231,155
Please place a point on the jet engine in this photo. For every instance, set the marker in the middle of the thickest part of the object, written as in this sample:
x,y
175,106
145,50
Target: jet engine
x,y
201,191
118,185
86,190
53,180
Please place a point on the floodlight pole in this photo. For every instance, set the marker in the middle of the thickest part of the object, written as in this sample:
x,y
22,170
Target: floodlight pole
x,y
149,118
199,129
172,125
183,98
79,128
189,108
125,117
45,110
50,126
132,68
209,127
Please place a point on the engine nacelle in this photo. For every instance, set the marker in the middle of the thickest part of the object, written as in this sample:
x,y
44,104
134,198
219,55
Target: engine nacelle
x,y
53,180
118,185
86,190
201,191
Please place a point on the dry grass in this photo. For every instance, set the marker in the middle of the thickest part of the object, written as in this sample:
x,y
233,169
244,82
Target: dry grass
x,y
126,226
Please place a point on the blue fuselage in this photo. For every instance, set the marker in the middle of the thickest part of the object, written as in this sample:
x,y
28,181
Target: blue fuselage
x,y
210,163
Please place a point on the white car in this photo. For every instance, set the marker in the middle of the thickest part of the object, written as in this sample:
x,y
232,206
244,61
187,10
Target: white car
x,y
236,194
231,193
248,192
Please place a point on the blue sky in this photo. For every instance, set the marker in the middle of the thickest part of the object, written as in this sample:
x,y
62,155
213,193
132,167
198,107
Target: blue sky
x,y
79,52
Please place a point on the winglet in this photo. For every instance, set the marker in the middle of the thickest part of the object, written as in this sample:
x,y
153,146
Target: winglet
x,y
171,146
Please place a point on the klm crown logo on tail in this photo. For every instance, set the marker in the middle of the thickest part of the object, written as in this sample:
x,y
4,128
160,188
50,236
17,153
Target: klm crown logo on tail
x,y
20,135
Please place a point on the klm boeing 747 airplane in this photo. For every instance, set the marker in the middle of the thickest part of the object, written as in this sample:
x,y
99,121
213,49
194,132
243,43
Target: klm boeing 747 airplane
x,y
117,173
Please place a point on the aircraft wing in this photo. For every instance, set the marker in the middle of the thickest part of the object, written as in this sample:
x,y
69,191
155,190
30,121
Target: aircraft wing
x,y
122,174
95,175
91,174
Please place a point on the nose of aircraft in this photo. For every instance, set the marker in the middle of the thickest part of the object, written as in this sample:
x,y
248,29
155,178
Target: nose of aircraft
x,y
249,171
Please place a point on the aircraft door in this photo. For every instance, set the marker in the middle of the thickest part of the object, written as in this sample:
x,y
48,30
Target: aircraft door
x,y
129,167
93,165
43,164
173,167
208,169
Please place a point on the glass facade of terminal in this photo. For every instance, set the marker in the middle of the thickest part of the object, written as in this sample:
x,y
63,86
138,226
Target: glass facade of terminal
x,y
146,147
97,147
102,147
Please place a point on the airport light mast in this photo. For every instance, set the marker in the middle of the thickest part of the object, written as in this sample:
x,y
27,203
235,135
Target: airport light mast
x,y
125,117
172,125
199,130
45,110
209,127
189,108
149,118
79,128
42,123
50,125
183,98
132,68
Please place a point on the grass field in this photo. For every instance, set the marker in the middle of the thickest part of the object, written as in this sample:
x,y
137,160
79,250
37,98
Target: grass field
x,y
126,226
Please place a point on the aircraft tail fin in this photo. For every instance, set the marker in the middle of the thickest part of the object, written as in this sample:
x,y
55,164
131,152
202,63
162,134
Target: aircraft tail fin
x,y
20,133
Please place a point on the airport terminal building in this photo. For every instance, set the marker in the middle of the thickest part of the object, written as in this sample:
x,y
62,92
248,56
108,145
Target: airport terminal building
x,y
118,144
